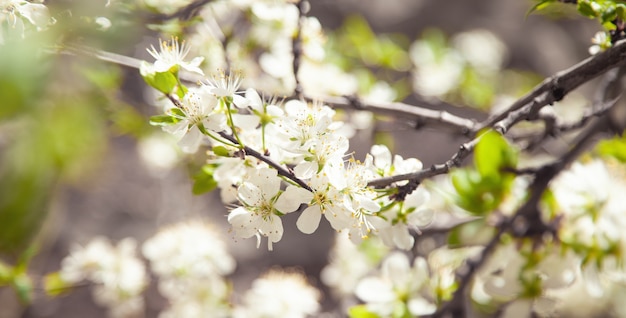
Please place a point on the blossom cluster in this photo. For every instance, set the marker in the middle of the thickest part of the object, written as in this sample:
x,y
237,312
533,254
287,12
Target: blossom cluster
x,y
306,143
191,262
13,13
118,274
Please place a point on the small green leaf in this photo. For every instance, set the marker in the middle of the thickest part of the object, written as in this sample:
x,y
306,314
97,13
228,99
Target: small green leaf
x,y
54,284
620,11
493,154
538,6
608,15
163,120
203,181
361,311
221,151
181,91
585,8
164,82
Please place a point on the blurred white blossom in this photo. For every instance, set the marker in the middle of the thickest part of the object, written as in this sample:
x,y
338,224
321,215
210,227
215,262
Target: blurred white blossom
x,y
279,294
118,274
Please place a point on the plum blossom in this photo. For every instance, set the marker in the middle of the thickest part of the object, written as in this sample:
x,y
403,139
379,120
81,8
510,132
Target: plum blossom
x,y
118,273
196,112
171,57
522,278
280,294
590,198
262,207
398,285
413,213
349,263
15,11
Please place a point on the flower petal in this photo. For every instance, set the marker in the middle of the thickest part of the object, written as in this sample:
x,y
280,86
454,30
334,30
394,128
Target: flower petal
x,y
309,220
292,198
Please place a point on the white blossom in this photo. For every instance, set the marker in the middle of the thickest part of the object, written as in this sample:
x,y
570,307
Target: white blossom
x,y
170,57
279,294
117,272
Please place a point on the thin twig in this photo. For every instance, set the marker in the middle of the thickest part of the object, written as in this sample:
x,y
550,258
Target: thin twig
x,y
303,7
422,113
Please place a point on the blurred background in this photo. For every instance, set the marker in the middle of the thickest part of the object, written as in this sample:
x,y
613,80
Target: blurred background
x,y
75,153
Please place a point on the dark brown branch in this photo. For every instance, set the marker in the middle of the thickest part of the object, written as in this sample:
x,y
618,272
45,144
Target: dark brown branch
x,y
557,86
281,170
434,170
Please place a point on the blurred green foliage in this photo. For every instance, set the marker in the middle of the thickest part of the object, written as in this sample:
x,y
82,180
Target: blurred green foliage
x,y
481,190
371,56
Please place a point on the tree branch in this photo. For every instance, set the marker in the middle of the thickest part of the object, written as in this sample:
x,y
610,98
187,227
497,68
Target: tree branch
x,y
557,86
281,170
526,215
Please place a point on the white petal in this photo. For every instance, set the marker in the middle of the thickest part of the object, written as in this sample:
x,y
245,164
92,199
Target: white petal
x,y
292,198
242,222
240,101
396,267
382,156
402,238
255,100
420,307
250,194
306,170
309,220
273,228
36,13
417,197
421,218
191,141
374,289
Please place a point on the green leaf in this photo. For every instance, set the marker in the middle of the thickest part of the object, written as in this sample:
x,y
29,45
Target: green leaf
x,y
493,153
164,82
203,181
181,91
475,194
620,10
163,120
361,311
608,15
177,112
54,284
221,151
585,8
